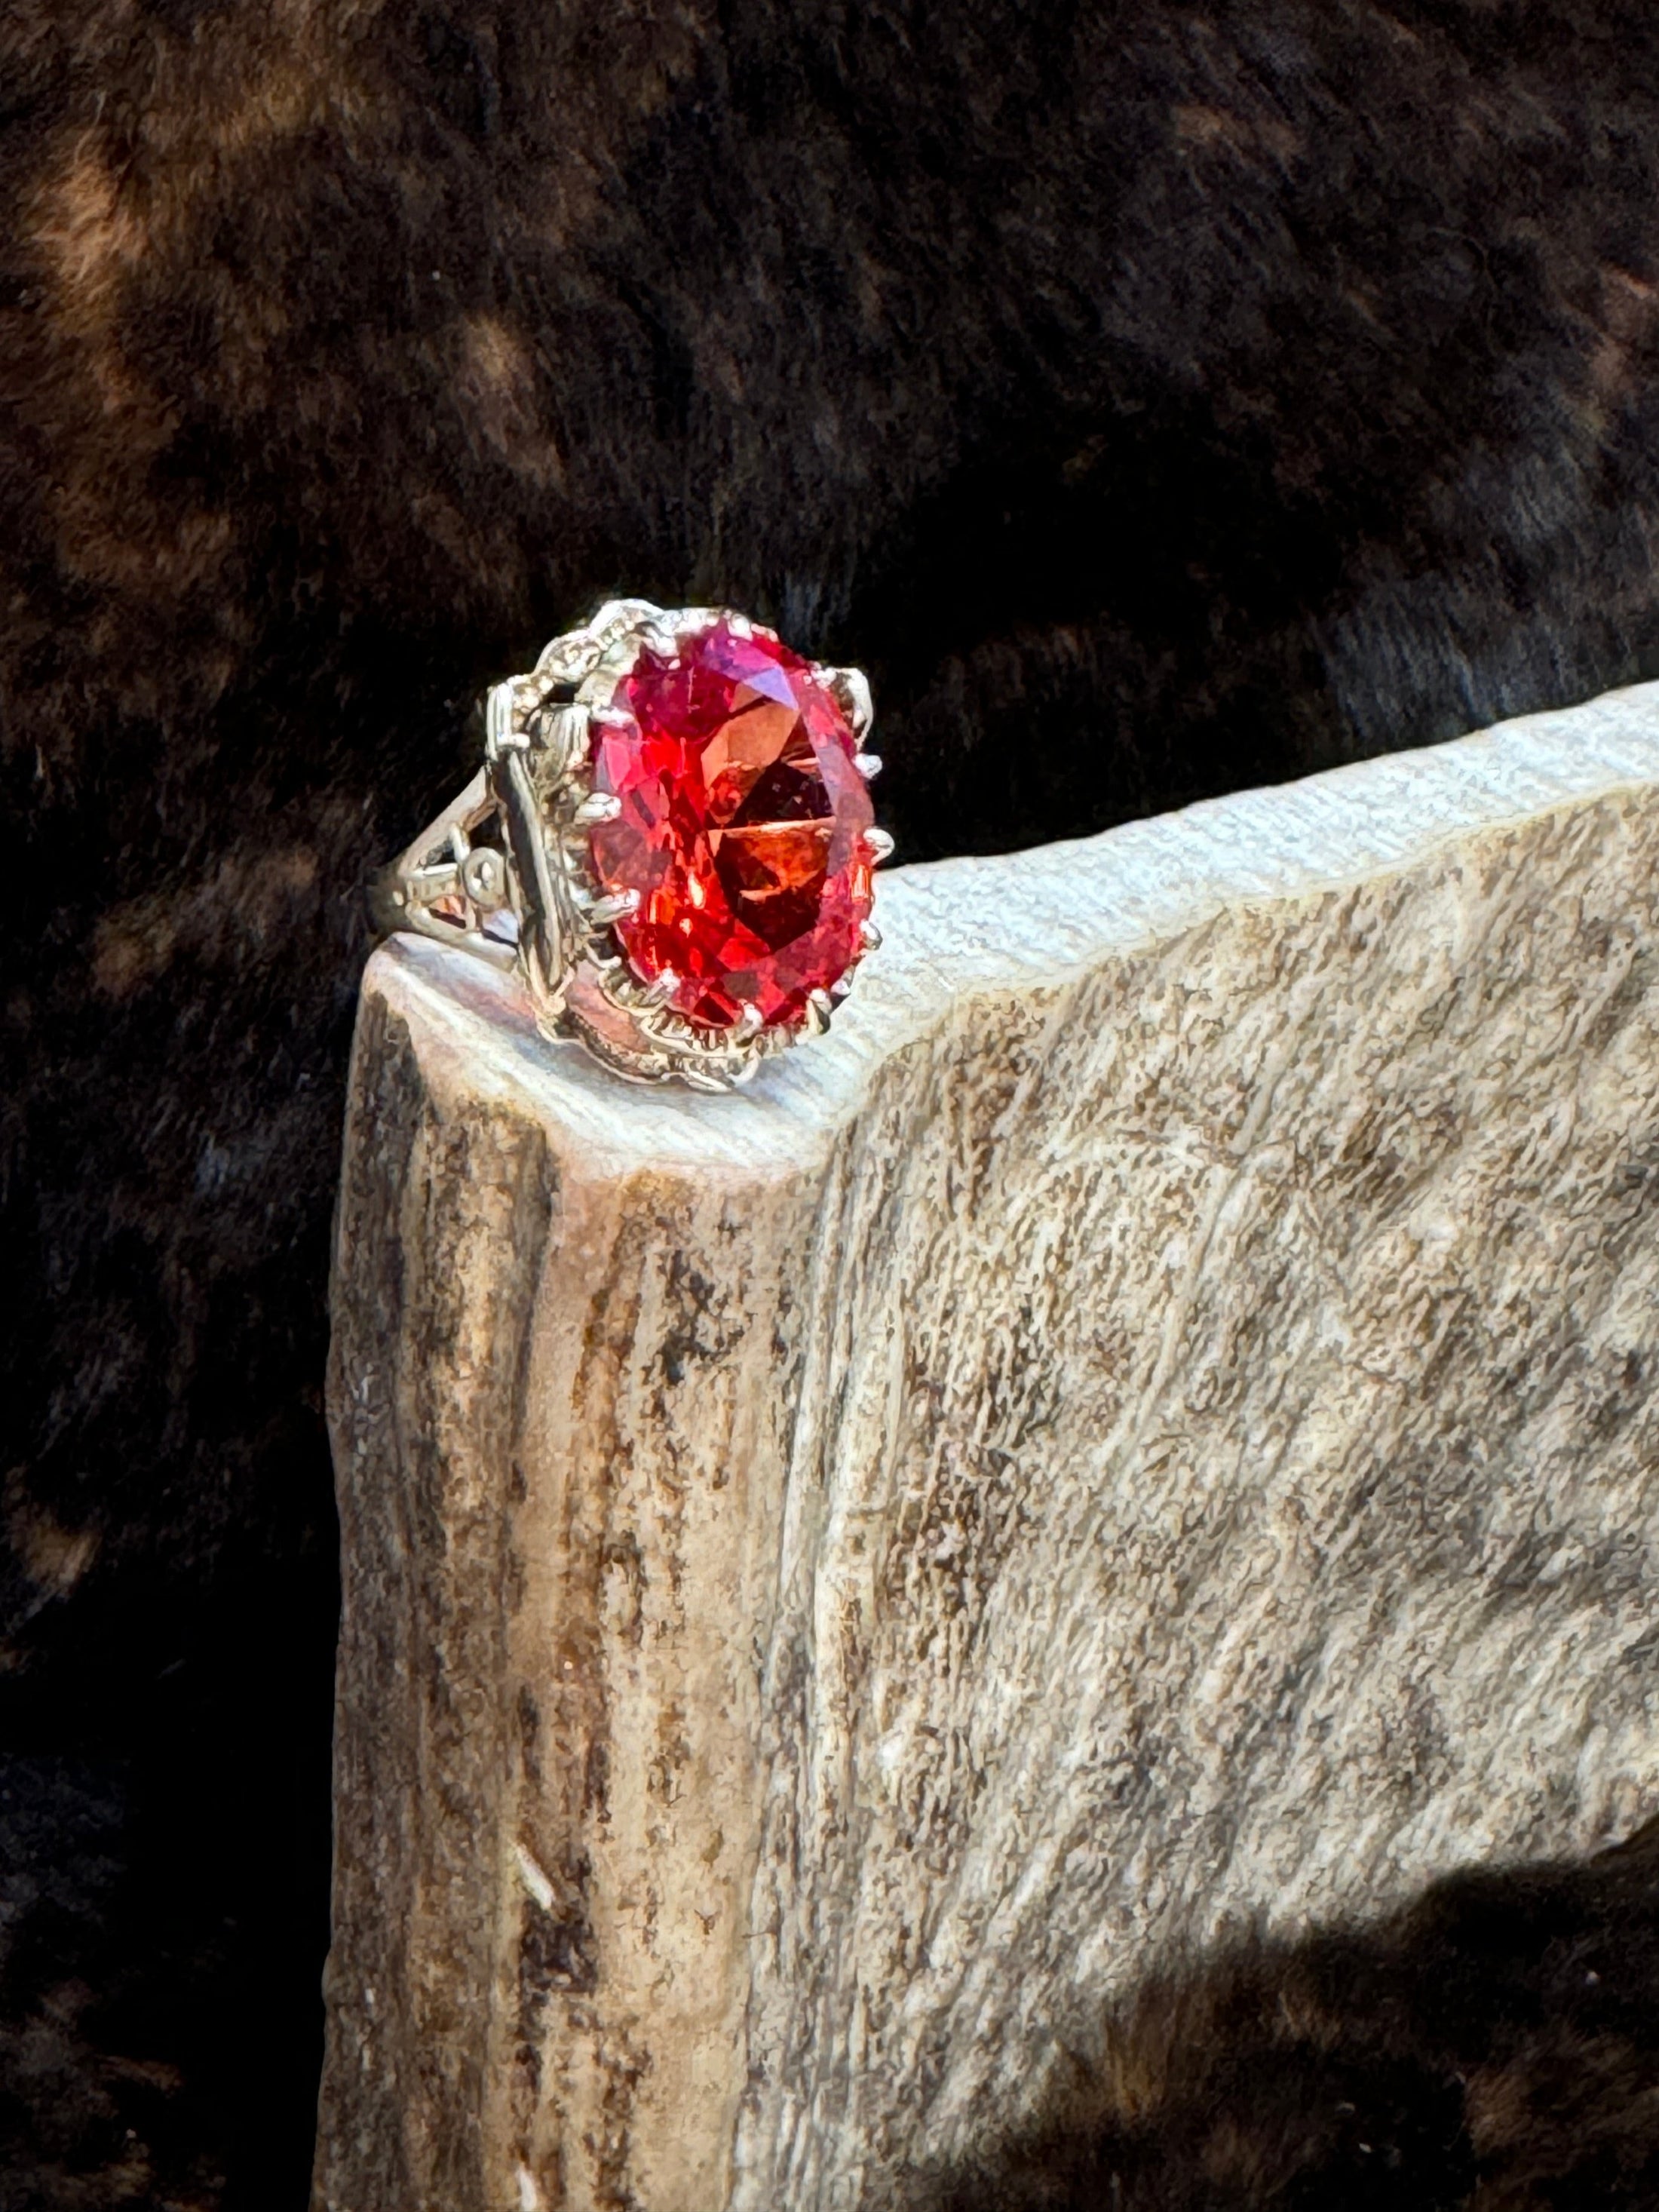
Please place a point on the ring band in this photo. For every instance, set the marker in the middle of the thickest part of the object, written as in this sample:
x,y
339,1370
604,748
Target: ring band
x,y
670,840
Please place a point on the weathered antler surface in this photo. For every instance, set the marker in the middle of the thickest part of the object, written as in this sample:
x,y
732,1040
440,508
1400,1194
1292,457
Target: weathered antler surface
x,y
1152,1421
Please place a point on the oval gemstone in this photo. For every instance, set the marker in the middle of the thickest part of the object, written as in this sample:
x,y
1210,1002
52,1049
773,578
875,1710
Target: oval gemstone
x,y
742,826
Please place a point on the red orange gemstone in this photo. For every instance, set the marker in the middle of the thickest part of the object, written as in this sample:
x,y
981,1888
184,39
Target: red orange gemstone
x,y
742,826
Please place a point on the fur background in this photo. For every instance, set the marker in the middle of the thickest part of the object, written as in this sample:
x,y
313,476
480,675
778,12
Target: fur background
x,y
1156,398
1495,2047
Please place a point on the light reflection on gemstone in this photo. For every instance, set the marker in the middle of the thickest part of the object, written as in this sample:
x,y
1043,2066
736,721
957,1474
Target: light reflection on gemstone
x,y
742,826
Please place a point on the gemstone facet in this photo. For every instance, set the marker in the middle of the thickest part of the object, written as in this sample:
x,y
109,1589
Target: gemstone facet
x,y
744,825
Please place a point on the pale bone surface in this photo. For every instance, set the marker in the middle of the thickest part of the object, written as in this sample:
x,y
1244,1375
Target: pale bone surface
x,y
1150,1423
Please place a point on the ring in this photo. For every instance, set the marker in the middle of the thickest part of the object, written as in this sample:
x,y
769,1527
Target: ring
x,y
670,841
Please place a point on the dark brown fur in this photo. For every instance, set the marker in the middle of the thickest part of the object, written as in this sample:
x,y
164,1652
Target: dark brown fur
x,y
1157,399
1493,2048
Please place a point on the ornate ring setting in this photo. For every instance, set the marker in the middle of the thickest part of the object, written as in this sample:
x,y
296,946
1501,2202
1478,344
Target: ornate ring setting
x,y
670,839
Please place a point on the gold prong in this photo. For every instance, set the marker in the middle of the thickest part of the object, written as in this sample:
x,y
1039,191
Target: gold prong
x,y
819,1007
880,844
839,987
869,935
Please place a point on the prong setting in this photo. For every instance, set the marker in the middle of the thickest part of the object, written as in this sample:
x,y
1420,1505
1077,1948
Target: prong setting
x,y
660,990
613,907
851,686
597,806
523,848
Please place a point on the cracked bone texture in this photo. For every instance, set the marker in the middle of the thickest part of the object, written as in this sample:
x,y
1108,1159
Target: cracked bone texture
x,y
1149,1425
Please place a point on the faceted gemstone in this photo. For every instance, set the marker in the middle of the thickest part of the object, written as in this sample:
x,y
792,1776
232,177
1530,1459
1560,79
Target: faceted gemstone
x,y
742,826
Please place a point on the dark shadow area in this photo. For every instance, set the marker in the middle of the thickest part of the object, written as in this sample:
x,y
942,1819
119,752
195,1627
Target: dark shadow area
x,y
188,1859
1495,2045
